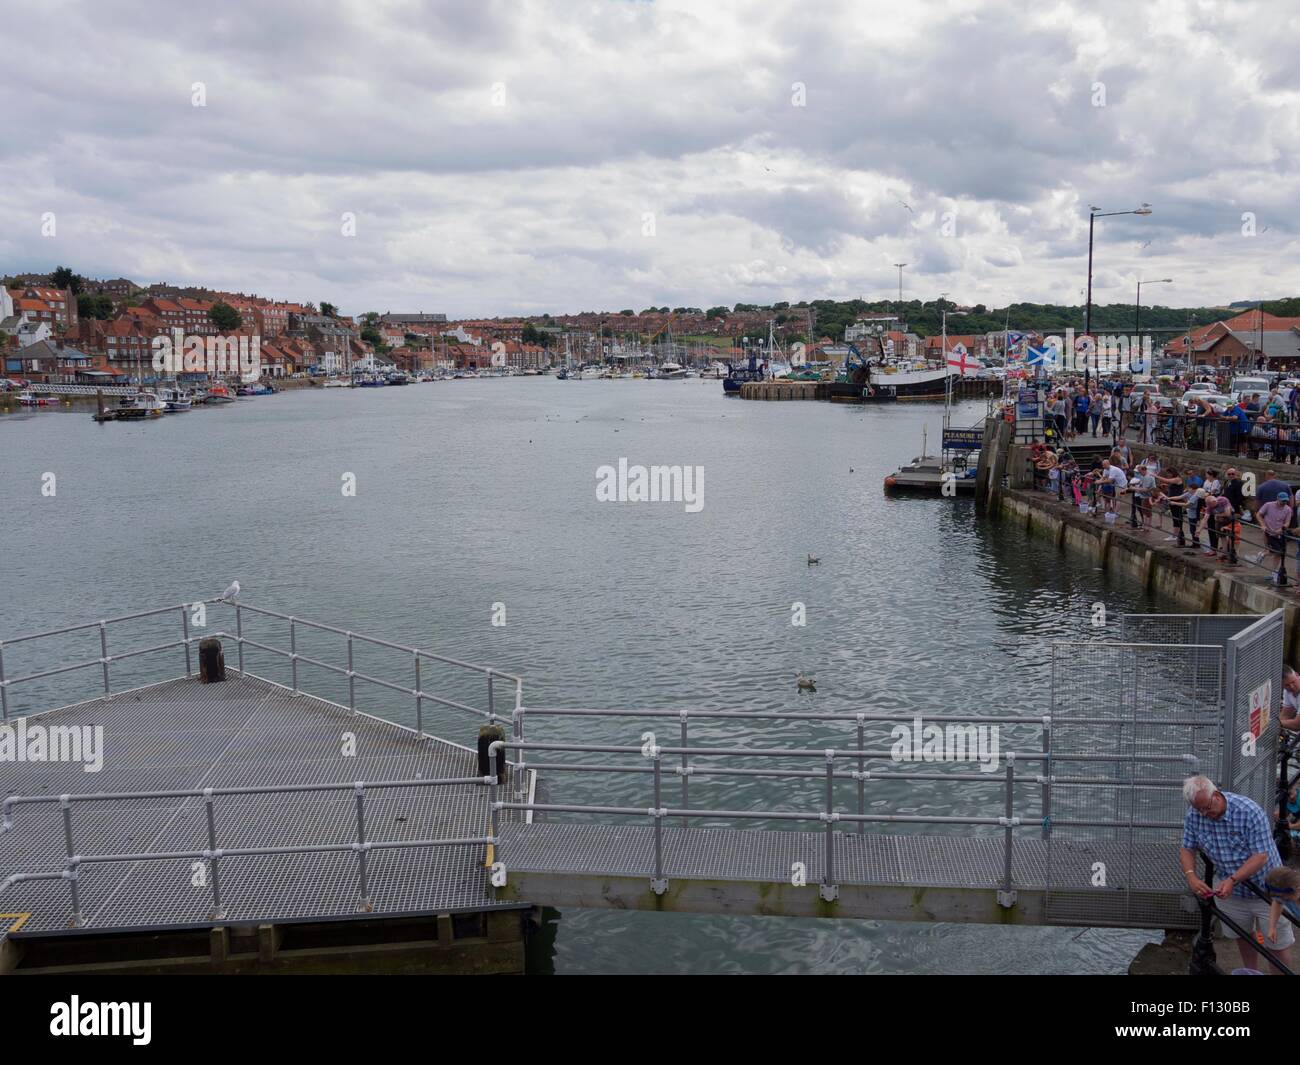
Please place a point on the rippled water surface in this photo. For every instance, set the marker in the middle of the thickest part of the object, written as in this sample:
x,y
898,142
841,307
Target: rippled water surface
x,y
475,493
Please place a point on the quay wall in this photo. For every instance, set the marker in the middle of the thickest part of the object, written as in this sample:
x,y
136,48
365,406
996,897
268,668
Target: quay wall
x,y
780,390
1199,584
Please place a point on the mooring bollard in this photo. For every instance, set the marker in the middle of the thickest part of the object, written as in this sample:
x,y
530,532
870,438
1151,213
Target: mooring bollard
x,y
488,735
212,661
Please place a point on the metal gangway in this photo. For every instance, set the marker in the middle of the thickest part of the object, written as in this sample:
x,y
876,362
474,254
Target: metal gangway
x,y
231,801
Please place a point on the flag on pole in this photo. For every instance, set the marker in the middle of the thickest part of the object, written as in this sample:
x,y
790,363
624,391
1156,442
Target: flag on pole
x,y
960,358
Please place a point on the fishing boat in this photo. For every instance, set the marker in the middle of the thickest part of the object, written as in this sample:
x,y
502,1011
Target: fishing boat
x,y
143,404
398,378
219,394
371,381
739,375
175,400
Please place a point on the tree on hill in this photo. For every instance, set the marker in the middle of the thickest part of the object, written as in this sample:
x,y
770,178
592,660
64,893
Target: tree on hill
x,y
63,277
716,312
97,307
225,317
328,309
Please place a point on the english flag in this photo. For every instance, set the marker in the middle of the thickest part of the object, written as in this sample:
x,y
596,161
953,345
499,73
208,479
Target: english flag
x,y
960,358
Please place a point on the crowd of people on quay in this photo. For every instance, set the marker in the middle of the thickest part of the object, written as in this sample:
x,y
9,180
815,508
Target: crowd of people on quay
x,y
1196,507
1201,414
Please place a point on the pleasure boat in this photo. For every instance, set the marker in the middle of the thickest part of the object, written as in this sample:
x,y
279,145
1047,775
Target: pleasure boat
x,y
143,404
30,399
175,400
671,371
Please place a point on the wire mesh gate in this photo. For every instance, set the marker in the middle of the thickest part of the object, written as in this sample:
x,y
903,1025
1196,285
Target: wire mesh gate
x,y
1181,696
1254,690
1253,647
1147,716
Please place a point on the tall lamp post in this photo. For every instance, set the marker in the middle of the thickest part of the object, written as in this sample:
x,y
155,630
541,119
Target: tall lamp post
x,y
900,286
1137,317
1093,214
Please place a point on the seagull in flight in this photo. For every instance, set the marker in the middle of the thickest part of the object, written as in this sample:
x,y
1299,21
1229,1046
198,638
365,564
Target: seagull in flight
x,y
1146,244
905,204
231,593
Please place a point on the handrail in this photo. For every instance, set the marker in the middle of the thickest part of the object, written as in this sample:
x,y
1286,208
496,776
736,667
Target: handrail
x,y
213,853
105,660
1209,908
830,815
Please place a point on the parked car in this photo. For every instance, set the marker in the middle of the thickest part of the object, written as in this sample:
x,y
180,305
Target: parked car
x,y
1249,386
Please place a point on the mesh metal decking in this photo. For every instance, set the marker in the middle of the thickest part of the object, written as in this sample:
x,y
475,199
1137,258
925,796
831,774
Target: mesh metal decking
x,y
243,732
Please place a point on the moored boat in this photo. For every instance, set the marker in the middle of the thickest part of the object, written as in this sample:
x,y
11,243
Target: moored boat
x,y
175,400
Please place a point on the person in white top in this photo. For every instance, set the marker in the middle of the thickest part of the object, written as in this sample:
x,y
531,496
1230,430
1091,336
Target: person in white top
x,y
1113,481
1290,717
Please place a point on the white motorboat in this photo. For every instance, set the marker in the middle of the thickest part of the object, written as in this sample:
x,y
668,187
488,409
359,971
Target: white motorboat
x,y
175,400
671,371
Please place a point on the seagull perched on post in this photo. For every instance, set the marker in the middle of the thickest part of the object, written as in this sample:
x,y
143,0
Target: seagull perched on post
x,y
231,593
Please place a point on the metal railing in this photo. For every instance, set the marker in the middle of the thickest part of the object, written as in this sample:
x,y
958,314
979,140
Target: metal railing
x,y
856,756
213,854
1270,440
418,656
1203,960
105,660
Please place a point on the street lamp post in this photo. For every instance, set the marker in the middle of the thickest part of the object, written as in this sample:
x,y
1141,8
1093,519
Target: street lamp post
x,y
1137,310
1093,214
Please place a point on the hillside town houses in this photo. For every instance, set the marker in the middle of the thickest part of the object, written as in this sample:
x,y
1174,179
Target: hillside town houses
x,y
43,337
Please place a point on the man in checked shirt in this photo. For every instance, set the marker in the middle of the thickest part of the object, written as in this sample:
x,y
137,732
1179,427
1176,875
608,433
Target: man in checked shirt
x,y
1238,837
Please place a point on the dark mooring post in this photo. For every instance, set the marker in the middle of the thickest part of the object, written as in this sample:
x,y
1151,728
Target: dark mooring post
x,y
488,735
1204,962
212,662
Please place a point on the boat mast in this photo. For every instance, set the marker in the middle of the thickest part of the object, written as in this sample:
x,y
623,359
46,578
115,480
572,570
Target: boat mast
x,y
947,375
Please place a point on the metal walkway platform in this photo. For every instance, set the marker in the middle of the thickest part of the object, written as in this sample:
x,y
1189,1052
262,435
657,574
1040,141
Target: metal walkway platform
x,y
883,877
232,802
242,733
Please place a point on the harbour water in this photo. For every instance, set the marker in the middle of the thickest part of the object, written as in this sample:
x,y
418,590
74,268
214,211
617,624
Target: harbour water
x,y
477,499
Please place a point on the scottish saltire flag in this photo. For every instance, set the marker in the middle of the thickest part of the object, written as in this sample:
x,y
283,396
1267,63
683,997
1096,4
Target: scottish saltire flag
x,y
1044,356
1013,340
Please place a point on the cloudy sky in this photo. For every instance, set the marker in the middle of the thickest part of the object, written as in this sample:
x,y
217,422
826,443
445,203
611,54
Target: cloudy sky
x,y
487,157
